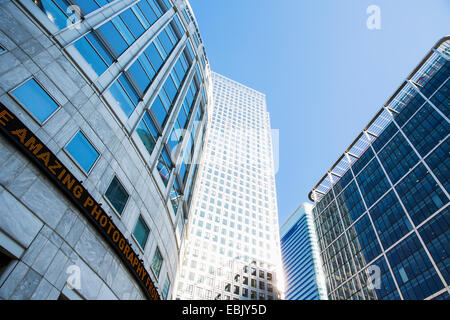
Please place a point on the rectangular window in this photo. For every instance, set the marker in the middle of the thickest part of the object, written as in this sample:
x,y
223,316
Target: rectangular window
x,y
141,232
147,132
157,262
165,166
33,97
166,288
117,195
4,262
125,95
82,151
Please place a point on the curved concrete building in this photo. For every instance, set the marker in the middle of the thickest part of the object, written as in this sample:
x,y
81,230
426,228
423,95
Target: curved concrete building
x,y
102,114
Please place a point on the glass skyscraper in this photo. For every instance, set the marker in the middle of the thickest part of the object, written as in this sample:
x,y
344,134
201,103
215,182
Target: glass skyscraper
x,y
382,210
232,248
104,107
304,278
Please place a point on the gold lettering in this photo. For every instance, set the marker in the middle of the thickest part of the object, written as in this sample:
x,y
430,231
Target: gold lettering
x,y
89,202
21,133
52,168
3,117
135,261
127,249
78,191
103,221
30,144
144,273
68,181
131,257
111,226
61,174
44,157
121,244
96,211
115,236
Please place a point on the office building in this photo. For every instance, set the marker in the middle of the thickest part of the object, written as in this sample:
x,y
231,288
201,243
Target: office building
x,y
382,210
103,112
232,248
302,265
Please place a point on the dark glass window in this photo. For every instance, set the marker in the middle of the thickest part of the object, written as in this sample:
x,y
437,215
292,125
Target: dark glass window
x,y
363,241
350,204
343,182
439,162
386,289
441,99
35,99
433,83
117,195
390,220
426,129
436,235
362,161
420,194
373,182
397,158
413,270
82,151
141,232
411,107
384,137
157,262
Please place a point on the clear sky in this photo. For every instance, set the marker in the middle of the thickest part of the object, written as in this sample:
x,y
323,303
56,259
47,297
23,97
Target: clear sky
x,y
324,73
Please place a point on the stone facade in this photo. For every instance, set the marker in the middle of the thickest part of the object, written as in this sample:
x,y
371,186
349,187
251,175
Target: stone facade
x,y
42,232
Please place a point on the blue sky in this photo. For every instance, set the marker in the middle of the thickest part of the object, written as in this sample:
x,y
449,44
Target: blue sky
x,y
324,73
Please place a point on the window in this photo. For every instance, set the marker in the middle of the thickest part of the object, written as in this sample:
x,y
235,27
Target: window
x,y
125,95
164,166
236,290
166,287
157,262
2,49
147,132
141,232
4,262
117,195
82,151
35,99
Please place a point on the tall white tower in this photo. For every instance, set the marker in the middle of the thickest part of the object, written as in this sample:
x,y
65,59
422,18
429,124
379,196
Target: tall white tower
x,y
232,247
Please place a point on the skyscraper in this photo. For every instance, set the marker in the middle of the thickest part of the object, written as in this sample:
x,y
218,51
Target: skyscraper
x,y
382,210
301,257
103,109
232,248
